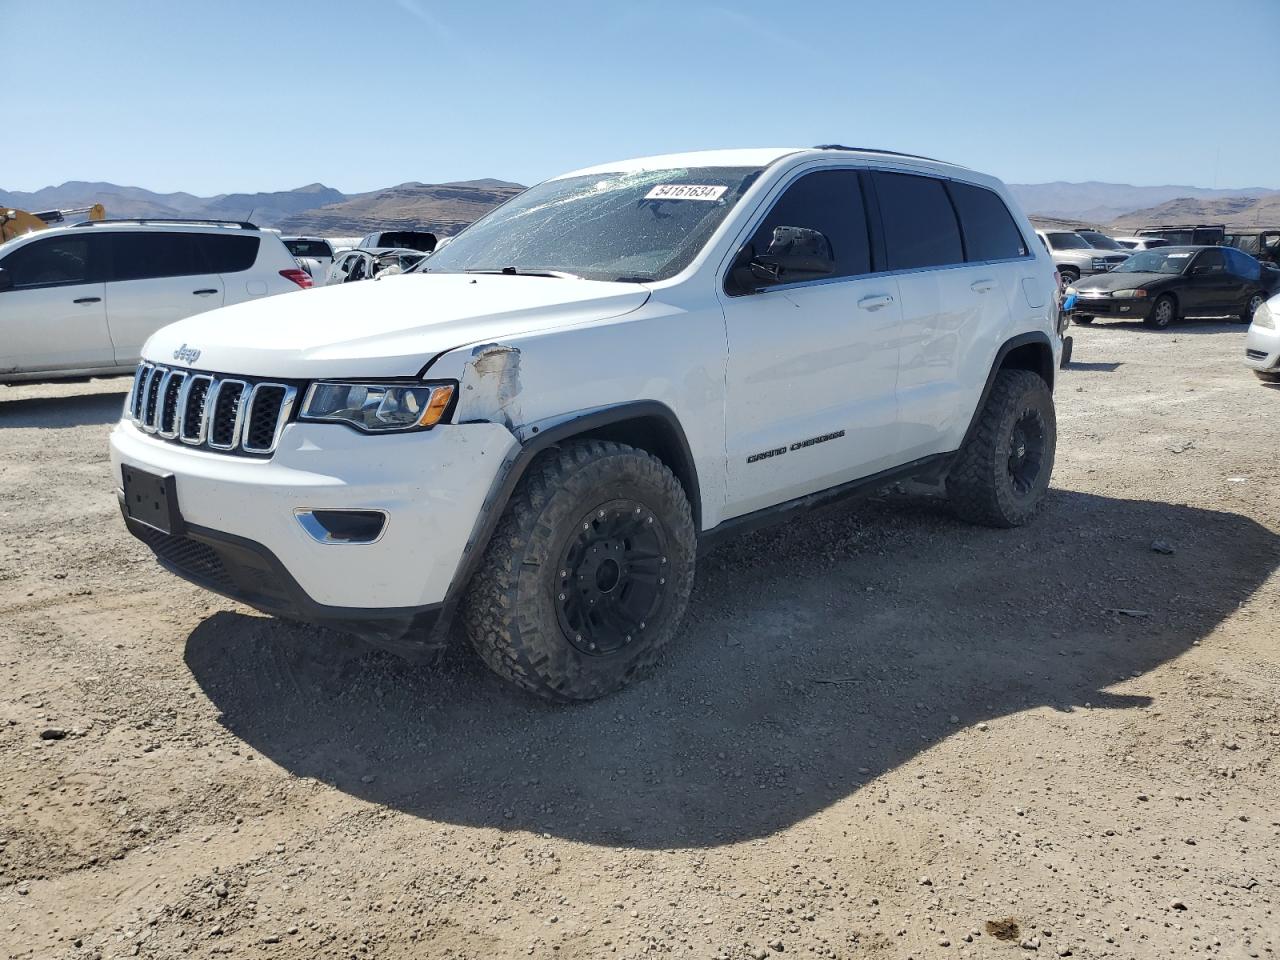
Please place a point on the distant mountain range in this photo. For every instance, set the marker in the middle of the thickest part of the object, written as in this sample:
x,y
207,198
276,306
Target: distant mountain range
x,y
1230,211
446,208
1105,202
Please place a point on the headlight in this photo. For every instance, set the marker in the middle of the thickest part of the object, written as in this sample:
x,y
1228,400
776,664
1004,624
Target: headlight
x,y
378,407
1070,291
1128,294
1263,318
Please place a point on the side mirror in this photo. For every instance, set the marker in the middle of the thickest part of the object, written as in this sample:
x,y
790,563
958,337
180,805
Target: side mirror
x,y
794,254
1199,271
6,281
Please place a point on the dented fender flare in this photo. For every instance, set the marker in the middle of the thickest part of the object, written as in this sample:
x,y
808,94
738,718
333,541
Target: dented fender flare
x,y
517,463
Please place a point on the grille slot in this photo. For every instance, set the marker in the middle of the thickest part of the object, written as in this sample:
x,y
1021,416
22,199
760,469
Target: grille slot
x,y
1255,354
224,414
152,398
170,391
265,405
193,408
229,415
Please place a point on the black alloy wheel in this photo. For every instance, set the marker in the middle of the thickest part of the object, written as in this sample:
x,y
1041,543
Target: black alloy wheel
x,y
612,577
1026,451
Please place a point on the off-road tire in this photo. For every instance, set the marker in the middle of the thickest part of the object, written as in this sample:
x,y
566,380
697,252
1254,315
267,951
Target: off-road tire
x,y
514,609
981,483
1161,316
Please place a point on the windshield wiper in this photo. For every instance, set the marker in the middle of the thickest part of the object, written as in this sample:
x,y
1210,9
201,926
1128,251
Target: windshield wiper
x,y
521,272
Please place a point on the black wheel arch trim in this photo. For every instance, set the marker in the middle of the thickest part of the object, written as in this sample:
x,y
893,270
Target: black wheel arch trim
x,y
539,440
1037,337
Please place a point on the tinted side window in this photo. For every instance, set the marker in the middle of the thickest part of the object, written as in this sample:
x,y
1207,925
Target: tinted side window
x,y
51,262
149,256
1211,261
990,232
829,201
229,254
920,228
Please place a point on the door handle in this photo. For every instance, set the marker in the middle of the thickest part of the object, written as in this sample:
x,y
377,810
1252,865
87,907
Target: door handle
x,y
876,302
982,286
88,300
203,293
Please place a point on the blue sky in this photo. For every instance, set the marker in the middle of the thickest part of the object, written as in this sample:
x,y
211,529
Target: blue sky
x,y
235,95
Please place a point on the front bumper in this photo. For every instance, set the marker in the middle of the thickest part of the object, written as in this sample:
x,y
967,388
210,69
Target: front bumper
x,y
240,536
1120,308
1262,349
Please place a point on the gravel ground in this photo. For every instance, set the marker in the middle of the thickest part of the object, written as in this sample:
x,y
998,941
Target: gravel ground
x,y
882,734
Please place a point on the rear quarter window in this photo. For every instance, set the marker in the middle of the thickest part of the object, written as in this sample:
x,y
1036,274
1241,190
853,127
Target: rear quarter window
x,y
990,232
920,227
229,253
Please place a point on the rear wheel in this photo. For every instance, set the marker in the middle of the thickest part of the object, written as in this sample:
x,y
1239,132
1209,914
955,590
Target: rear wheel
x,y
1163,312
587,576
1002,472
1251,307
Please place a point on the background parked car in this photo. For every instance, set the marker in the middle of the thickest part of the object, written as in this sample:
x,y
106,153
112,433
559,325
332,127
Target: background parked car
x,y
314,255
1074,257
1187,234
1100,241
1260,242
1141,243
80,301
1160,286
367,264
420,240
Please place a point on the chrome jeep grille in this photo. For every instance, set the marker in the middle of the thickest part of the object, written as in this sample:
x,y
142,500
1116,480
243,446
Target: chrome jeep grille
x,y
226,414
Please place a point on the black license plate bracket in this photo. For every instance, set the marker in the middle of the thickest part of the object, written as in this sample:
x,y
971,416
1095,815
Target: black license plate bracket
x,y
151,499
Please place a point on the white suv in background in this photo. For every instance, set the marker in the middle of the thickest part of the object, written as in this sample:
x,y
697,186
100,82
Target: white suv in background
x,y
80,301
543,426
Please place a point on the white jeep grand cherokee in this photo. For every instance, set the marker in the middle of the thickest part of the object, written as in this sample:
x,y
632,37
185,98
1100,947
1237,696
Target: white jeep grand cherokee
x,y
541,428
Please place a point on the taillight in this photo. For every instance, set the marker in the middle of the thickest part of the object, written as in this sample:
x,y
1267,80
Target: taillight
x,y
300,277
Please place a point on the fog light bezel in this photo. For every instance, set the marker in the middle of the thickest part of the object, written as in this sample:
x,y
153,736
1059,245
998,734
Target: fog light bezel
x,y
315,527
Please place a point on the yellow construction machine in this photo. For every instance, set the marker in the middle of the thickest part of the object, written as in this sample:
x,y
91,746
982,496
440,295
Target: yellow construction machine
x,y
14,223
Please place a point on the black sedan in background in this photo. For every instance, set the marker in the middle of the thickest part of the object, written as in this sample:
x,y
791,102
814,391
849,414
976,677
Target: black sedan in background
x,y
1162,285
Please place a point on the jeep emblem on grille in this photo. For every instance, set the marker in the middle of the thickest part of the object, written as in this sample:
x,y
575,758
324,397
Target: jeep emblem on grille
x,y
186,354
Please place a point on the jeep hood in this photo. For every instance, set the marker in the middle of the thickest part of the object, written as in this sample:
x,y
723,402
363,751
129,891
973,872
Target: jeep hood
x,y
382,328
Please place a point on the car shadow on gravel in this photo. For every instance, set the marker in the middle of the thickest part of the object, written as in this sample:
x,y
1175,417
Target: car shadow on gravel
x,y
814,658
92,410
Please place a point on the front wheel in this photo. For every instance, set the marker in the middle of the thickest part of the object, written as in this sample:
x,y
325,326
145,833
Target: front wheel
x,y
1163,312
1069,275
1001,474
1251,307
1079,319
587,575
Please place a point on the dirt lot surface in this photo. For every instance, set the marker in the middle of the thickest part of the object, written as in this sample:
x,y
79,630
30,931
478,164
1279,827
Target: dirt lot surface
x,y
882,734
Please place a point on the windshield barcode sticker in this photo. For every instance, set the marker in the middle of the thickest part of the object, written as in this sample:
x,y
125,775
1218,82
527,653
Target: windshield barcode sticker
x,y
685,191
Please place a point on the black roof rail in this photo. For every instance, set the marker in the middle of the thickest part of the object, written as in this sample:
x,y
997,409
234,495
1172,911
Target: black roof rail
x,y
190,221
891,153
